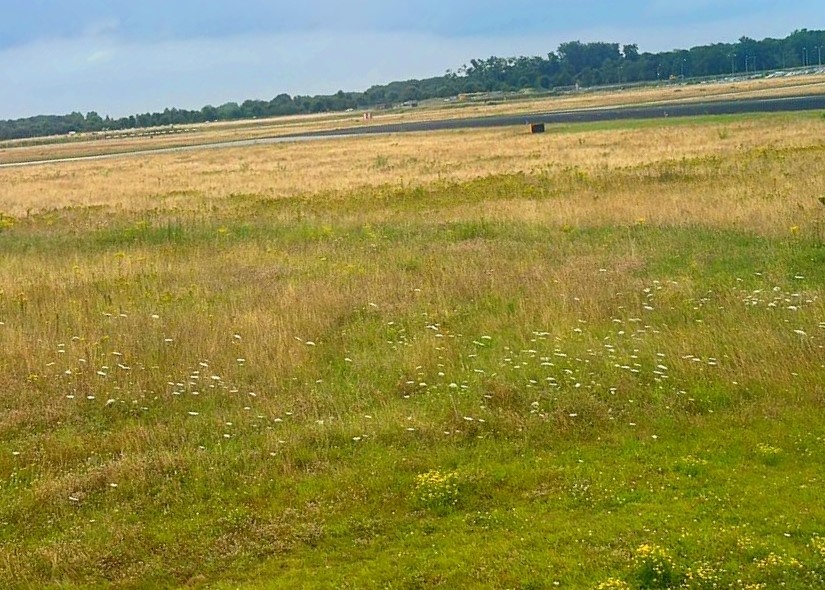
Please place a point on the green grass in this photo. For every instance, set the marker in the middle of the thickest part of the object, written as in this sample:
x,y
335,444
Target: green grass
x,y
248,395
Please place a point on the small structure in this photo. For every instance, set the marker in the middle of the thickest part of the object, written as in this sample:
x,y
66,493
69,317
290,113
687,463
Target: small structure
x,y
367,116
536,127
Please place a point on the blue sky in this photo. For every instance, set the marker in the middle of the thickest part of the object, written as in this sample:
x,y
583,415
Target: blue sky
x,y
121,57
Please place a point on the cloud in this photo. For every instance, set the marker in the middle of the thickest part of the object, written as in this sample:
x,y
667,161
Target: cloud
x,y
103,27
119,77
121,65
101,55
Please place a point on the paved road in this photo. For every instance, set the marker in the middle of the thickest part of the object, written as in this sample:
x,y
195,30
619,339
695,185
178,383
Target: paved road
x,y
685,109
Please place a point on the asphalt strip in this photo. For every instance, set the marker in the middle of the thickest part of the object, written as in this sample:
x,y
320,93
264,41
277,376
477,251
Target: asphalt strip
x,y
686,109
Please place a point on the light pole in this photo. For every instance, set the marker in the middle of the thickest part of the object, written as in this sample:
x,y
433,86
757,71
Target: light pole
x,y
746,64
683,69
732,63
804,56
819,54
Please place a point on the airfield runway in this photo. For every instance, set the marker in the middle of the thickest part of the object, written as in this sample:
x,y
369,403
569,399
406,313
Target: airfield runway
x,y
683,109
673,109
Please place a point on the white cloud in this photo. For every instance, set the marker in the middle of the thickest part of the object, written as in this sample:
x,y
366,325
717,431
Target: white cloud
x,y
97,28
105,72
118,78
101,56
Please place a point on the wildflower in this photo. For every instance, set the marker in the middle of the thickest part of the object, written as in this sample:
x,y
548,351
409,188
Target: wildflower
x,y
613,584
436,489
654,566
769,454
777,562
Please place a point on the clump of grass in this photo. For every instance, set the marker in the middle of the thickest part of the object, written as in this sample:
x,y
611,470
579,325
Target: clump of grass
x,y
691,466
612,584
6,221
653,567
703,576
437,489
768,454
381,162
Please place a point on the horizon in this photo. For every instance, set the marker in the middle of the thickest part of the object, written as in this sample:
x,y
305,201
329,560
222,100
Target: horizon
x,y
121,60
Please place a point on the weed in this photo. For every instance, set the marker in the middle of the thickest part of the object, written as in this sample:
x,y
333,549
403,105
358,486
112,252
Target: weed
x,y
437,490
653,567
768,454
613,584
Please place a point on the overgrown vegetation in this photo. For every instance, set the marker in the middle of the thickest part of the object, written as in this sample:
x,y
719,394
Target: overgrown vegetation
x,y
580,377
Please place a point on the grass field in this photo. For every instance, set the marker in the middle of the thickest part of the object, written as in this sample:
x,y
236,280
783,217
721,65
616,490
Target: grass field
x,y
589,359
91,144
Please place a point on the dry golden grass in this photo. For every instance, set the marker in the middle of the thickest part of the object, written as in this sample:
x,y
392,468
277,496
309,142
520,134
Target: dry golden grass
x,y
773,195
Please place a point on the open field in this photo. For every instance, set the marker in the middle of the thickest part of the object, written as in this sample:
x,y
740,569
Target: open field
x,y
201,134
482,359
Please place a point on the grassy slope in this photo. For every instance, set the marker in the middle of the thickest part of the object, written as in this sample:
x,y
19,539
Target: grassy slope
x,y
248,393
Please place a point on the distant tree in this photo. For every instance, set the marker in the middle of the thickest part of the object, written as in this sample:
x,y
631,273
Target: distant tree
x,y
209,113
573,62
630,52
94,122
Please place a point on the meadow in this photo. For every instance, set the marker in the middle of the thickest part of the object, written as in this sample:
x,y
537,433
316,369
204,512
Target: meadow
x,y
481,359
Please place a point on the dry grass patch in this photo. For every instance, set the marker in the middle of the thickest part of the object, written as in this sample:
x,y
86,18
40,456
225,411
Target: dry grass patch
x,y
200,180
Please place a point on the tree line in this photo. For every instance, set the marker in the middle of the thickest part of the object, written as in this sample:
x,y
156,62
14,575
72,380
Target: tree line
x,y
573,64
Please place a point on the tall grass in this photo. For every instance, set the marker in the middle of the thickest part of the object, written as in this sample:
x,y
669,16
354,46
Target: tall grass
x,y
580,375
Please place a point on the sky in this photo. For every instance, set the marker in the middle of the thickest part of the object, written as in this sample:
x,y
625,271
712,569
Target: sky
x,y
121,57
